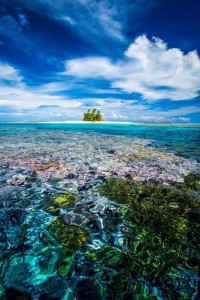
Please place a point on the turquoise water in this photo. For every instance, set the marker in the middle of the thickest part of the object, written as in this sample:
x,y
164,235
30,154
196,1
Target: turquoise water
x,y
74,225
183,140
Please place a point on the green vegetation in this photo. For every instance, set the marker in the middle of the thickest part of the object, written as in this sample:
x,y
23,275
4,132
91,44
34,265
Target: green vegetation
x,y
156,206
69,236
152,249
93,116
106,256
60,200
161,238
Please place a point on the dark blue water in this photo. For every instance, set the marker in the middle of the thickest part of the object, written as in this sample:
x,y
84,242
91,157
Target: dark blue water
x,y
183,140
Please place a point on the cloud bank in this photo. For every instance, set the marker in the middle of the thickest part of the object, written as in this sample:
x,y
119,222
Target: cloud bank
x,y
148,67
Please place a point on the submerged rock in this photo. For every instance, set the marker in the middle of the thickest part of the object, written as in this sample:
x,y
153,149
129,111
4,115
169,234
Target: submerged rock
x,y
70,237
137,241
34,267
59,201
106,256
159,231
72,218
15,277
17,180
66,263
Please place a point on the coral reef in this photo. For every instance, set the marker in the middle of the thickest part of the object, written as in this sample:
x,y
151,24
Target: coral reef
x,y
161,234
59,201
88,217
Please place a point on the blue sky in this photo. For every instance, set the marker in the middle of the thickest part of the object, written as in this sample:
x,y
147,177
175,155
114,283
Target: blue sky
x,y
133,60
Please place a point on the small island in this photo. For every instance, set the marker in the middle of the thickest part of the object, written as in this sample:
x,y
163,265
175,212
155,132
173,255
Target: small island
x,y
93,116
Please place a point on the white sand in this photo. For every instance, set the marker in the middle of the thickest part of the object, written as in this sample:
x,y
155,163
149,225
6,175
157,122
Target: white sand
x,y
85,122
107,122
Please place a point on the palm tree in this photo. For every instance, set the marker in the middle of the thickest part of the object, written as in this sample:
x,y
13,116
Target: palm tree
x,y
99,117
93,115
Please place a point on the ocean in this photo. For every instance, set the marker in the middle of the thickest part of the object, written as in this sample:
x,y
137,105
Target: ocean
x,y
99,211
181,139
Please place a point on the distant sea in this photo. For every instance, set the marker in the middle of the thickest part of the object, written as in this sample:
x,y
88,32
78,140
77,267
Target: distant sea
x,y
180,139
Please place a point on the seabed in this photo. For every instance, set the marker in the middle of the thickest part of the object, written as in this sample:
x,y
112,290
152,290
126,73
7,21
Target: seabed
x,y
95,216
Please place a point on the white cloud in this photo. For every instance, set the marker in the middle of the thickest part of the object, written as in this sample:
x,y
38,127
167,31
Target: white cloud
x,y
25,98
8,72
149,68
103,91
117,116
149,118
181,111
183,119
48,102
14,92
69,20
116,103
92,67
52,87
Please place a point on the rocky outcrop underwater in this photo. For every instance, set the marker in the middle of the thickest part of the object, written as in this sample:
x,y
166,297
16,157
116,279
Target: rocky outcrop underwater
x,y
87,216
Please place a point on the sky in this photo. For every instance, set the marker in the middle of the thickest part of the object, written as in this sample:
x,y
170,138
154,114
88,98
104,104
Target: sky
x,y
134,60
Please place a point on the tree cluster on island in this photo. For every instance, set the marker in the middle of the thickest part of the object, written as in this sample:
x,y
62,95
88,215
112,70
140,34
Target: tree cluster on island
x,y
93,116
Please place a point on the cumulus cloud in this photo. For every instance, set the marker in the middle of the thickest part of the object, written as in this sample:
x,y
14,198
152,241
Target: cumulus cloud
x,y
149,68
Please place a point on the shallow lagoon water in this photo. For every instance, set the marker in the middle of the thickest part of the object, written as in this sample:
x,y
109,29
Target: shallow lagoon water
x,y
181,139
71,229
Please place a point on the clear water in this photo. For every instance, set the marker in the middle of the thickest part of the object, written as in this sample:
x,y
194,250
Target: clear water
x,y
63,238
183,140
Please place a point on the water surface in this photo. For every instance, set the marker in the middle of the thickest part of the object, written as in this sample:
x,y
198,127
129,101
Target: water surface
x,y
183,140
99,211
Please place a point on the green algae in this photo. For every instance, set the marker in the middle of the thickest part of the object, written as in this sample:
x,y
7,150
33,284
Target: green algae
x,y
61,200
66,263
162,234
150,202
69,236
106,256
120,190
192,181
